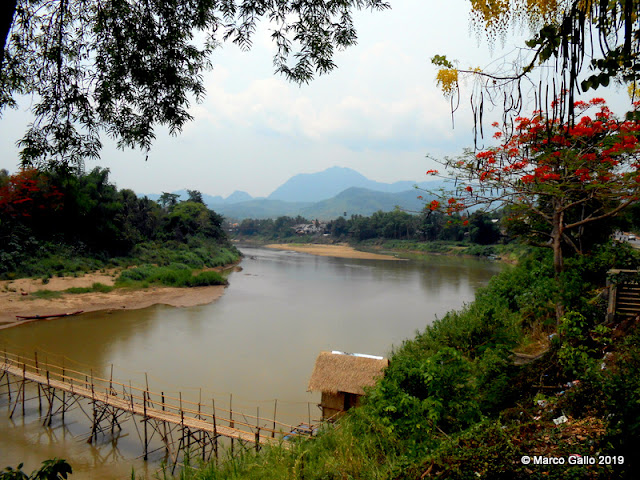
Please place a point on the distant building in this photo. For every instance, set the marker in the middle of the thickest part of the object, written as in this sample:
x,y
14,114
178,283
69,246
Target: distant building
x,y
310,228
341,377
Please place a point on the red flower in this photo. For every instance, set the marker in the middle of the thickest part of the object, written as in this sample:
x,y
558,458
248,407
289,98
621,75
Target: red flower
x,y
528,179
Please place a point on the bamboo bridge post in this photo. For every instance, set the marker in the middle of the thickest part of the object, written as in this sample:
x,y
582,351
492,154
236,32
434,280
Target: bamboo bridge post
x,y
50,397
144,401
201,432
19,392
64,393
146,382
258,429
181,443
24,381
164,426
94,427
38,384
231,424
275,409
215,430
6,362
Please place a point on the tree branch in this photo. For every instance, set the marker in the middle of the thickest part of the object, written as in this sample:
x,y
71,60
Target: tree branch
x,y
7,12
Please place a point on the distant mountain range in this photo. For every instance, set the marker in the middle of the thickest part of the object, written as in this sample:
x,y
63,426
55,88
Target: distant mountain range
x,y
322,195
314,187
210,200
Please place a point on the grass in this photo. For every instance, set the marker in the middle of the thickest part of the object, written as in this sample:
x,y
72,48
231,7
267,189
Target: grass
x,y
172,275
96,287
51,294
45,294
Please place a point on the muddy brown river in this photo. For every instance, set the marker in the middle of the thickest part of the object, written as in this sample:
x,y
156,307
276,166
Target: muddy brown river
x,y
258,343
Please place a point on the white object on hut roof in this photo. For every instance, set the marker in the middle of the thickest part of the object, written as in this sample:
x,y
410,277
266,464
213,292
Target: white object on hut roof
x,y
363,355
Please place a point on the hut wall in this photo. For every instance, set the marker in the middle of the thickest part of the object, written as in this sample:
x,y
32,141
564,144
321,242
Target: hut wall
x,y
331,404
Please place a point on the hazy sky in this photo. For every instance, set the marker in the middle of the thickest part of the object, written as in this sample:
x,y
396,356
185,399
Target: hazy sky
x,y
379,113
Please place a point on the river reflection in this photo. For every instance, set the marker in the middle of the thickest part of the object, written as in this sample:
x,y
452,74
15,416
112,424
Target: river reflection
x,y
259,342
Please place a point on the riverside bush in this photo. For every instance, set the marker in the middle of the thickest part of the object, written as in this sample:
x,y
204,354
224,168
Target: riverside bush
x,y
172,275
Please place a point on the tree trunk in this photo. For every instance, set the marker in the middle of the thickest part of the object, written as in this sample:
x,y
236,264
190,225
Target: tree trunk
x,y
7,12
558,263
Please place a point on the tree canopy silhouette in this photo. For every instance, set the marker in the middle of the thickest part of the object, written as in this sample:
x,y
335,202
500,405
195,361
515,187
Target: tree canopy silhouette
x,y
121,67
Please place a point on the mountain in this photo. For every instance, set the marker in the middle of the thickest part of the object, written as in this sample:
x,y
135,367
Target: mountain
x,y
352,201
362,201
323,195
238,196
210,200
314,187
261,208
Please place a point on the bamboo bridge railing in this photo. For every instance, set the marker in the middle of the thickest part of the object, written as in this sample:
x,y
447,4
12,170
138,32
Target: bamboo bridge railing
x,y
178,422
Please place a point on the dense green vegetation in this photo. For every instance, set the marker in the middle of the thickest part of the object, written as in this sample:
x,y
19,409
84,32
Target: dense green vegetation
x,y
480,228
453,404
59,223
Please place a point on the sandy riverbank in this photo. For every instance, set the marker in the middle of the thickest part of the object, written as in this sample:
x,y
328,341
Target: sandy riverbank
x,y
340,251
16,298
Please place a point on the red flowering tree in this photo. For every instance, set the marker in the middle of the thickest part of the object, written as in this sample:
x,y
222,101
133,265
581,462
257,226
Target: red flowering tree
x,y
558,179
28,194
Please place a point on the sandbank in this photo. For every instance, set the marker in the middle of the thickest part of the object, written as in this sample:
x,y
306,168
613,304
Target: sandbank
x,y
16,299
338,250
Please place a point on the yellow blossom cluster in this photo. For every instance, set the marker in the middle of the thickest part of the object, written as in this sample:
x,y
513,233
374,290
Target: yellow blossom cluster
x,y
495,16
447,79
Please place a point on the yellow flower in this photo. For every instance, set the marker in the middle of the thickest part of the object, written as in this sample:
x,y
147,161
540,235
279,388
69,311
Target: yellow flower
x,y
447,79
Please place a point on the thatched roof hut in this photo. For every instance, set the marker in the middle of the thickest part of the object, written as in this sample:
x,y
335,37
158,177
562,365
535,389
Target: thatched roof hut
x,y
340,372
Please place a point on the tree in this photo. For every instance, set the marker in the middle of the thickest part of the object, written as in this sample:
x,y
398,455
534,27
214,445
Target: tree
x,y
563,43
189,219
557,178
168,200
482,230
121,67
195,196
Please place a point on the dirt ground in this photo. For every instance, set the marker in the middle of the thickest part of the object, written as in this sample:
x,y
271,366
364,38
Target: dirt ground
x,y
340,250
16,298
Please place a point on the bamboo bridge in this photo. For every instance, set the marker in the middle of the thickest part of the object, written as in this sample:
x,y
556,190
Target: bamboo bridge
x,y
179,424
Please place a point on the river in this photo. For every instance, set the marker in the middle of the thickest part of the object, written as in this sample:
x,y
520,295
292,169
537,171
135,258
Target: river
x,y
258,342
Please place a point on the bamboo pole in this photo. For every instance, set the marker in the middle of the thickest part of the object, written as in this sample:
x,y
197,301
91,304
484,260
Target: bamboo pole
x,y
24,382
215,429
257,429
64,401
146,445
94,428
201,433
47,419
275,409
38,385
164,425
6,361
231,418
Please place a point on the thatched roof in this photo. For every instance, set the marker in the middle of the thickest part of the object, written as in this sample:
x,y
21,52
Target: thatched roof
x,y
339,372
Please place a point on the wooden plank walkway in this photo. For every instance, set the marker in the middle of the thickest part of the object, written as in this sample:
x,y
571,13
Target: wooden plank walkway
x,y
196,423
115,400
